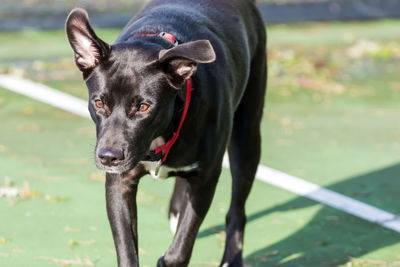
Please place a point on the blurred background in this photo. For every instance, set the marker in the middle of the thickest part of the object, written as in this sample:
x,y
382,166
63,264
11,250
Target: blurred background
x,y
331,117
46,14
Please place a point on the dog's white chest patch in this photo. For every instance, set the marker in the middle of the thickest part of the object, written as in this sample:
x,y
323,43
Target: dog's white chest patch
x,y
164,170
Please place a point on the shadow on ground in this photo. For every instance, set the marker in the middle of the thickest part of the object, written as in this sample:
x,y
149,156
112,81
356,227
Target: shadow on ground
x,y
332,237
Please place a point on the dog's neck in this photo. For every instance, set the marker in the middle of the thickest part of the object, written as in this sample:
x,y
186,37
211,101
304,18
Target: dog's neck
x,y
173,125
168,133
180,105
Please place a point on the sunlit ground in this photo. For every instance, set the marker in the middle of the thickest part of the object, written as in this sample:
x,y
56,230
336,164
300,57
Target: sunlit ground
x,y
331,117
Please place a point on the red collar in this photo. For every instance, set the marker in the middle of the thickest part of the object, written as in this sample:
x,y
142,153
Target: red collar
x,y
164,35
167,146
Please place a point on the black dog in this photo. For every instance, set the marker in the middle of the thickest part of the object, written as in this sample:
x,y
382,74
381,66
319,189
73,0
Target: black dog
x,y
139,94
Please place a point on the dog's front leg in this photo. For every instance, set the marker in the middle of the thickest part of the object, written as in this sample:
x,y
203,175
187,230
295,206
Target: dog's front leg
x,y
121,209
199,195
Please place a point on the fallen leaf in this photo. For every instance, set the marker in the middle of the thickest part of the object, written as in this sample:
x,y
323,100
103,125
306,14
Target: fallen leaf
x,y
28,110
55,199
270,254
28,127
77,261
25,193
320,85
8,192
367,261
72,244
87,243
48,179
98,177
207,263
142,251
70,229
17,250
363,48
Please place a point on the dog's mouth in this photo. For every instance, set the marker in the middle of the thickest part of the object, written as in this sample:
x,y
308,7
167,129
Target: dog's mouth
x,y
124,166
110,163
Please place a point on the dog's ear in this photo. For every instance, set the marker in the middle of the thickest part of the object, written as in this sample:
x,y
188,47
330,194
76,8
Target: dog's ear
x,y
89,50
181,61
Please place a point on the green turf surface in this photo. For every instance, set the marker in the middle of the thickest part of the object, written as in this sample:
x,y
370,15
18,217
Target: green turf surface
x,y
329,118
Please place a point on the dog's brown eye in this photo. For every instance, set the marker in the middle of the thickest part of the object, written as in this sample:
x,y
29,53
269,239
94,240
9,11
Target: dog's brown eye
x,y
143,107
99,103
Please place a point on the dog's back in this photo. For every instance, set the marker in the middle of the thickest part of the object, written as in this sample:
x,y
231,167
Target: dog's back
x,y
234,27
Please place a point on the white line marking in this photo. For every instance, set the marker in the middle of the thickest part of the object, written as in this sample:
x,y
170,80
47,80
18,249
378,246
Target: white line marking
x,y
45,94
288,182
325,196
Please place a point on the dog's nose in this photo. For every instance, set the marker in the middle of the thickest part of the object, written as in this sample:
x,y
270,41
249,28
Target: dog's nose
x,y
110,157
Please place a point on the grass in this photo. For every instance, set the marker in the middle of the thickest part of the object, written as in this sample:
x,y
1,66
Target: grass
x,y
329,118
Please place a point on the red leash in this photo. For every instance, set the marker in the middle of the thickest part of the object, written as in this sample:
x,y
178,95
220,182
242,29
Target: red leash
x,y
167,146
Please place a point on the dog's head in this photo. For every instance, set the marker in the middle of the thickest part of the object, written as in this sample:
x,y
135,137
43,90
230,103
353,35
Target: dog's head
x,y
132,88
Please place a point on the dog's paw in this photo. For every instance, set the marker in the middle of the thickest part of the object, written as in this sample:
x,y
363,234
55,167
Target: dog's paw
x,y
160,262
235,263
226,264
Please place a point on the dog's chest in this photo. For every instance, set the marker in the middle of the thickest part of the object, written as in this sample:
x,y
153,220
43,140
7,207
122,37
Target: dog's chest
x,y
164,171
